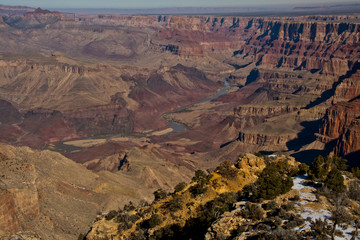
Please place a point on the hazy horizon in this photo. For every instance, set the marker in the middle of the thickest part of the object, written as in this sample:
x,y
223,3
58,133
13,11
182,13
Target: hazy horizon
x,y
143,4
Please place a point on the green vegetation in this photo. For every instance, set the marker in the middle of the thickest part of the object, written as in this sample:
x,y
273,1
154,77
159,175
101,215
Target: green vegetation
x,y
129,207
201,179
321,166
202,204
354,190
253,211
181,186
273,181
154,221
303,168
195,228
335,181
226,170
174,204
200,175
160,194
125,221
111,215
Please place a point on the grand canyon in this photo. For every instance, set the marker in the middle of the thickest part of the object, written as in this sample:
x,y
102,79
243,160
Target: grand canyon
x,y
101,109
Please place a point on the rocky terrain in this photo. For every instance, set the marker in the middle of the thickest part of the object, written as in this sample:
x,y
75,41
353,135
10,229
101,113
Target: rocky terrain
x,y
240,201
139,103
56,198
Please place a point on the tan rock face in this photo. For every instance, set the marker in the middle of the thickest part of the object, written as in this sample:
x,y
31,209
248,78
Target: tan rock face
x,y
262,139
33,200
250,164
54,197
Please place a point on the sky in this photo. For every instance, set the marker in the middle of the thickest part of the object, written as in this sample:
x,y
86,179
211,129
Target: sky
x,y
141,4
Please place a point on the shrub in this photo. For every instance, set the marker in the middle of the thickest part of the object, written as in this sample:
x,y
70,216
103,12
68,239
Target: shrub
x,y
319,168
335,181
290,224
174,204
199,176
283,234
296,198
339,163
252,211
303,169
354,190
226,170
198,189
138,235
154,220
272,182
111,215
125,221
213,209
143,203
339,216
270,205
320,229
179,187
160,194
258,154
129,207
262,227
289,206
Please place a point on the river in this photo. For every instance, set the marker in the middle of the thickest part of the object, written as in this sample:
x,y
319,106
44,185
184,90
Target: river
x,y
178,127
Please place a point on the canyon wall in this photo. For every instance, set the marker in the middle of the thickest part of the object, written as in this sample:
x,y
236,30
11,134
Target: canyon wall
x,y
286,63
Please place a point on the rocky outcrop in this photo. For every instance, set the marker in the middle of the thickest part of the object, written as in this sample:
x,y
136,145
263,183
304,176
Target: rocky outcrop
x,y
338,118
106,119
110,156
341,126
264,139
45,193
314,46
349,141
263,111
113,163
349,87
54,197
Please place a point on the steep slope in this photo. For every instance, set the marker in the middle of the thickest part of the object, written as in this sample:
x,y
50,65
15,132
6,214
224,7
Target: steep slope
x,y
180,207
92,100
255,198
56,198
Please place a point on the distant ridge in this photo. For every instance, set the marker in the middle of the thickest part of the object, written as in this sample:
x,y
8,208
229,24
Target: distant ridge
x,y
4,9
245,11
345,8
182,10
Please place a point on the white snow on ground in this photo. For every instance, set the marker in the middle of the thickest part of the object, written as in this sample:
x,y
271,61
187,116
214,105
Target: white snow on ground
x,y
307,194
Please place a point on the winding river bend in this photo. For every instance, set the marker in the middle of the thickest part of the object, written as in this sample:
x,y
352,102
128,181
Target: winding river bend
x,y
177,127
66,146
